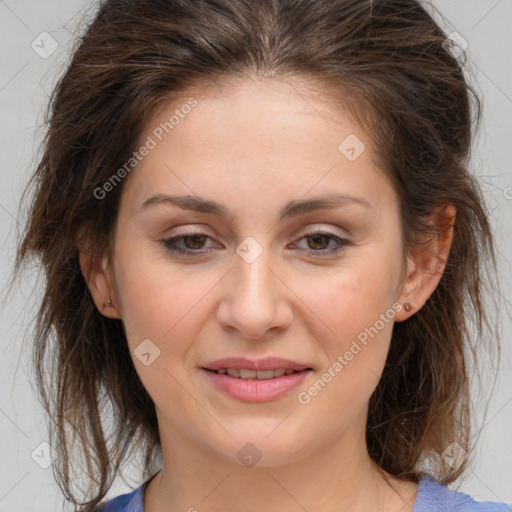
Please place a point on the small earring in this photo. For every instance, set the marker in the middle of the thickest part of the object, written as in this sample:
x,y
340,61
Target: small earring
x,y
107,304
407,307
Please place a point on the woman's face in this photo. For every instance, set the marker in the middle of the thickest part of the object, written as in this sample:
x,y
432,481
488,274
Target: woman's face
x,y
316,284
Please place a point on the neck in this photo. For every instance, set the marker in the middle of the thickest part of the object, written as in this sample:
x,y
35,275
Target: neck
x,y
335,476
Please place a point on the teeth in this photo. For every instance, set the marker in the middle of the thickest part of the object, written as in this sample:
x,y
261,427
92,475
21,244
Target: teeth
x,y
252,374
248,374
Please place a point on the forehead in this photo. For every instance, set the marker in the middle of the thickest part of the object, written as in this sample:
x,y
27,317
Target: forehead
x,y
257,136
262,108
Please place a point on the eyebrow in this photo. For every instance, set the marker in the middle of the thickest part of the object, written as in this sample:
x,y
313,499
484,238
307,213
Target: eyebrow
x,y
291,209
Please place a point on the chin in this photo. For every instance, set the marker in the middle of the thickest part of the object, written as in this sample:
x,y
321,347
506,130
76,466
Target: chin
x,y
254,444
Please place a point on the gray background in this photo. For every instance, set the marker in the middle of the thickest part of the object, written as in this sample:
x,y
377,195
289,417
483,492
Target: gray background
x,y
25,82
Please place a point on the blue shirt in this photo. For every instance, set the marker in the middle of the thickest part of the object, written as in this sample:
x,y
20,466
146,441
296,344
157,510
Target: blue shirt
x,y
431,497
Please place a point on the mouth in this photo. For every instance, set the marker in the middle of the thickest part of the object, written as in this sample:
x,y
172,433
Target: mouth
x,y
241,373
256,380
250,385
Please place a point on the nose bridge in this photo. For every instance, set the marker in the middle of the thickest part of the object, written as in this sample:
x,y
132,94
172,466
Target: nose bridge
x,y
253,301
252,271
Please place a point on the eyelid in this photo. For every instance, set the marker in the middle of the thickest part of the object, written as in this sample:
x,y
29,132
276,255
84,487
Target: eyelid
x,y
197,229
201,229
312,229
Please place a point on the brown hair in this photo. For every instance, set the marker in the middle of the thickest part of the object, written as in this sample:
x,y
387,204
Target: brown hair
x,y
386,61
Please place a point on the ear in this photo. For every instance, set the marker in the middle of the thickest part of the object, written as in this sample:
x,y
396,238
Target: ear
x,y
98,276
426,266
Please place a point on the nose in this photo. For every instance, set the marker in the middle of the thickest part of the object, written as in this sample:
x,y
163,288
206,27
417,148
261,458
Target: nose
x,y
255,299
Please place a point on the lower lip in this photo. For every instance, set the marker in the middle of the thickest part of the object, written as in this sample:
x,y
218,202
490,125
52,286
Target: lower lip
x,y
256,390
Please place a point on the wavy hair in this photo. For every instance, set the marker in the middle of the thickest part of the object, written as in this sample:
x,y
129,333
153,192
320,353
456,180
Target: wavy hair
x,y
387,62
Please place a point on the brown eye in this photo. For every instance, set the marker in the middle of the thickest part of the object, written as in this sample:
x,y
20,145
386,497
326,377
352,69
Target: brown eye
x,y
188,243
194,241
324,244
319,241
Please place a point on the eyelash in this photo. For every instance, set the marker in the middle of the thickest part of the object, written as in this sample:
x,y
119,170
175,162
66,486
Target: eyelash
x,y
170,244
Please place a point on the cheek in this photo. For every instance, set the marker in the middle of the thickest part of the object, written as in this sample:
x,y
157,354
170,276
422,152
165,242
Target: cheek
x,y
158,302
355,304
353,298
168,309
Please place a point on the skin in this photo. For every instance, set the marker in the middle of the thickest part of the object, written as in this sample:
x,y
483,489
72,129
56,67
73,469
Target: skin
x,y
253,146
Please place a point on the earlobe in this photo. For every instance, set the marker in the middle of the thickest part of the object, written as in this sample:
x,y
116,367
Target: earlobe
x,y
96,272
405,299
427,264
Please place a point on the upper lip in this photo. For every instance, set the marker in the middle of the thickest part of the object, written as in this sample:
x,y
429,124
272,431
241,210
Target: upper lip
x,y
267,363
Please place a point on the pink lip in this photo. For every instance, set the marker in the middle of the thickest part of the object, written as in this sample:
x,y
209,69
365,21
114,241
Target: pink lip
x,y
267,363
255,390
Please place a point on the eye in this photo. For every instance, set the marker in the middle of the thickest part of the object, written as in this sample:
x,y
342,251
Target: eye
x,y
320,240
193,242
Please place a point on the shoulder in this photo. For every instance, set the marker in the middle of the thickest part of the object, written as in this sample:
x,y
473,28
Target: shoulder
x,y
434,497
129,502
